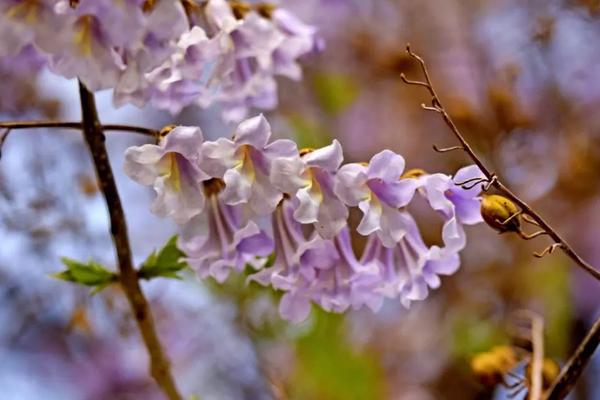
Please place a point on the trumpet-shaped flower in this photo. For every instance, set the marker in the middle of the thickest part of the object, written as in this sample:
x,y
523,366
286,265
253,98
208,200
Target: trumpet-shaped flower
x,y
457,206
218,240
172,168
410,268
244,164
379,192
311,178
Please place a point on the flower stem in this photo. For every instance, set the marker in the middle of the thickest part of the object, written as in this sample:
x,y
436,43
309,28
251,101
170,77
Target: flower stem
x,y
94,137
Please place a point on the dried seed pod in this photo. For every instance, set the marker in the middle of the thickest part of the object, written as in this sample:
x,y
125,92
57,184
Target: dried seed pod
x,y
500,213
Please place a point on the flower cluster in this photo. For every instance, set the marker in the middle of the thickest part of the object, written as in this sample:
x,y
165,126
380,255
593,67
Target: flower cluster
x,y
242,199
167,52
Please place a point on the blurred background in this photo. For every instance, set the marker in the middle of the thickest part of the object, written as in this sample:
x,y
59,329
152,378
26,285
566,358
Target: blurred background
x,y
522,80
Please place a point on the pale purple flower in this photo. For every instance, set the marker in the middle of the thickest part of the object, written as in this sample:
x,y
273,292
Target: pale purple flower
x,y
456,205
172,167
244,164
300,39
379,192
291,247
218,240
310,178
325,272
343,281
410,268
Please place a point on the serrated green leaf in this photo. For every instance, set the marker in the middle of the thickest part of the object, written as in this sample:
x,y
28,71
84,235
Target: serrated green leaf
x,y
166,263
89,274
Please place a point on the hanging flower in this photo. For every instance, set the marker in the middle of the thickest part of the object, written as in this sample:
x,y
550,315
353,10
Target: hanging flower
x,y
218,240
457,206
376,188
172,167
244,164
410,268
311,178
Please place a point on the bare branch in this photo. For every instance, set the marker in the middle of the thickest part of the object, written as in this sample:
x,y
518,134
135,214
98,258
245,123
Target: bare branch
x,y
493,181
574,367
94,137
76,125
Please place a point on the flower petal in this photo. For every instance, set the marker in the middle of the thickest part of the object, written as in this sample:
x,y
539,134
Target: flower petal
x,y
350,184
386,165
140,163
328,158
254,131
371,221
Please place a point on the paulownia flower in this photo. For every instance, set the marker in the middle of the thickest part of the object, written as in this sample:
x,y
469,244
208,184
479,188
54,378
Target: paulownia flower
x,y
311,178
172,167
376,188
218,240
244,164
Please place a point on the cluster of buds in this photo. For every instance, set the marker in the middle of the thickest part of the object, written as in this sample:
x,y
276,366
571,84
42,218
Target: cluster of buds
x,y
243,199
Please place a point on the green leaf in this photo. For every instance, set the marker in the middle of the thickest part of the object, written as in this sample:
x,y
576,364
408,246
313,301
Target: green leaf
x,y
166,263
89,274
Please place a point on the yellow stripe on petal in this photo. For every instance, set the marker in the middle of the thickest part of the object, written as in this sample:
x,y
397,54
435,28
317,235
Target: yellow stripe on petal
x,y
175,174
26,10
84,35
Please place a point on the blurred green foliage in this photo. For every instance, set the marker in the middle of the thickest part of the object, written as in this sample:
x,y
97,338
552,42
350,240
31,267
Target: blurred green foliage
x,y
334,91
329,367
549,284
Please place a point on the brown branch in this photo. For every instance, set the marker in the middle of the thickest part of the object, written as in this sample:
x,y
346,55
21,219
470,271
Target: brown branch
x,y
94,137
495,182
76,125
574,367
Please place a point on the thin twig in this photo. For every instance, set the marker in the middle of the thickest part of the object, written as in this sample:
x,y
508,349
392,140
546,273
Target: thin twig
x,y
574,367
94,137
76,125
495,182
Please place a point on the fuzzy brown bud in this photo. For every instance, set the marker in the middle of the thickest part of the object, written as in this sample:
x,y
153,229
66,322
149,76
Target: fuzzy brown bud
x,y
496,211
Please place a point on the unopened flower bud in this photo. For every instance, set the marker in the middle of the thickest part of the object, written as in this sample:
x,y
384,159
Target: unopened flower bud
x,y
496,211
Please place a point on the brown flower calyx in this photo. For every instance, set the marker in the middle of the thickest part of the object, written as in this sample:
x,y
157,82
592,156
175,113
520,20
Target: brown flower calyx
x,y
165,131
305,151
213,186
413,173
